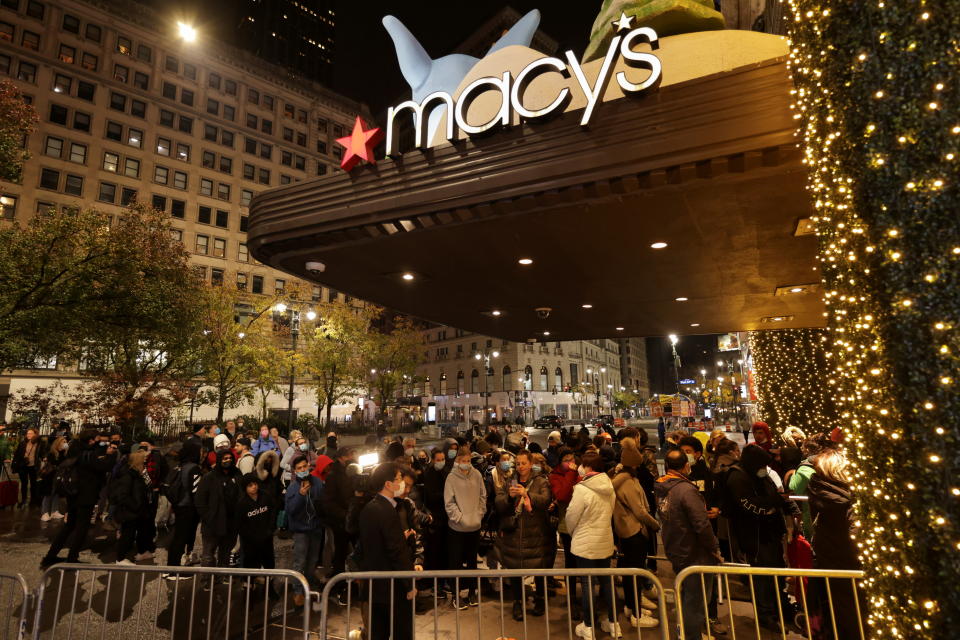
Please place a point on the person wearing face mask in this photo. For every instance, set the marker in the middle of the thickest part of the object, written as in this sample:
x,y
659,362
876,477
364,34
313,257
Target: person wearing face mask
x,y
465,500
756,508
337,493
563,478
688,537
383,541
264,442
435,533
216,499
220,443
449,448
303,519
526,539
300,448
330,450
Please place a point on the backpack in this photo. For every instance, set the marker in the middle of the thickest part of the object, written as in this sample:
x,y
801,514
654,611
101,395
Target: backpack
x,y
66,482
173,488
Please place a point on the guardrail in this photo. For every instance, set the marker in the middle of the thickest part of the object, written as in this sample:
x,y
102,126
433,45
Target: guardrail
x,y
203,603
14,598
821,603
389,611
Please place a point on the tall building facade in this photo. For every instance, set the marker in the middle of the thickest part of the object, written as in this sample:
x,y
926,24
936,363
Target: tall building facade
x,y
129,112
633,366
573,379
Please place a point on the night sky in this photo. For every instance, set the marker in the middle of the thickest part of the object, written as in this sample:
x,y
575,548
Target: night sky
x,y
367,68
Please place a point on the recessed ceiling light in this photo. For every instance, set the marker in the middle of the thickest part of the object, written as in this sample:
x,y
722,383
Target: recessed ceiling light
x,y
694,324
587,306
407,276
796,289
546,333
495,313
619,328
659,245
682,299
525,261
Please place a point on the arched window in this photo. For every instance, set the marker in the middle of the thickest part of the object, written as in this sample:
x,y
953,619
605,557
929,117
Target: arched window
x,y
459,382
528,378
507,380
475,382
443,384
543,378
558,379
489,381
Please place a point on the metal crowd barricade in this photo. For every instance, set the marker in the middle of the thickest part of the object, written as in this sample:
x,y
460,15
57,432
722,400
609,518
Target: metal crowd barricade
x,y
14,597
379,598
136,601
811,603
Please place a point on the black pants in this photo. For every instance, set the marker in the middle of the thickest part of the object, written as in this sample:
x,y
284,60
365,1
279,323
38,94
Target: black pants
x,y
462,553
216,547
257,554
402,617
633,556
184,534
141,531
28,480
341,547
569,562
516,585
74,530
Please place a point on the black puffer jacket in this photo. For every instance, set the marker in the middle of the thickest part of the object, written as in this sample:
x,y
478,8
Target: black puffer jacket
x,y
532,544
433,482
217,498
128,496
831,507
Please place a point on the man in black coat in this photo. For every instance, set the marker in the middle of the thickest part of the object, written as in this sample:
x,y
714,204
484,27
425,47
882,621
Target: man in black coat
x,y
92,461
384,548
217,500
334,504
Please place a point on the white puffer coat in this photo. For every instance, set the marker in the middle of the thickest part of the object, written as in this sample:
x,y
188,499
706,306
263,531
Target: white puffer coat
x,y
589,518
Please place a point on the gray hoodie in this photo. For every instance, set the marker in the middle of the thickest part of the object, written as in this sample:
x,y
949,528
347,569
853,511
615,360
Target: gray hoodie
x,y
688,537
464,499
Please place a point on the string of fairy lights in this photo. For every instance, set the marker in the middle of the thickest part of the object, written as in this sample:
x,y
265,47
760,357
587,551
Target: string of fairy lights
x,y
878,107
791,379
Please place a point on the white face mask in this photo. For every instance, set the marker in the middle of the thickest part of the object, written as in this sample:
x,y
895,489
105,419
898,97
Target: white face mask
x,y
408,452
762,473
691,459
581,471
398,492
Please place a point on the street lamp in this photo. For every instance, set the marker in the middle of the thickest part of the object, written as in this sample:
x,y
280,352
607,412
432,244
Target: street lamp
x,y
676,358
486,357
187,32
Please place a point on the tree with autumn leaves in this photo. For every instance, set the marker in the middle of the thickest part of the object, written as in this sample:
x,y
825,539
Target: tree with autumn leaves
x,y
17,120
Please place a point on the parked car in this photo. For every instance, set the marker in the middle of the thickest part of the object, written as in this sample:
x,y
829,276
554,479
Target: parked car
x,y
548,422
602,419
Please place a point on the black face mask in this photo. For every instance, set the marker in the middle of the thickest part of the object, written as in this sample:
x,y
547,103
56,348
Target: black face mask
x,y
332,443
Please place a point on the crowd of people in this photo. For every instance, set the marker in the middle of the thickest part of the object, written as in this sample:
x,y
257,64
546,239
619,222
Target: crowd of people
x,y
600,498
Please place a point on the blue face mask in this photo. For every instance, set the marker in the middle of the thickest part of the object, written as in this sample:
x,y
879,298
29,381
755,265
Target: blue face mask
x,y
451,453
506,465
464,466
439,465
304,446
216,431
536,468
303,475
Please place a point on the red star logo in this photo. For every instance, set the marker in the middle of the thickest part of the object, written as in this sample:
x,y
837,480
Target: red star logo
x,y
359,145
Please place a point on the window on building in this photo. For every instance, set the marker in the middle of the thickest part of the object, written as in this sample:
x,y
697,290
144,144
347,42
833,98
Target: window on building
x,y
213,81
285,179
135,138
203,214
257,284
121,73
183,152
86,90
299,162
252,121
209,132
128,196
73,185
178,208
229,113
67,54
138,108
118,101
111,162
141,80
190,70
242,254
316,293
288,110
263,176
321,169
223,191
172,65
216,275
78,153
288,134
180,180
226,138
27,72
268,102
89,61
93,32
131,167
219,247
8,206
286,158
144,53
176,234
253,96
249,171
114,131
49,179
279,286
166,118
53,147
6,31
266,151
5,64
161,174
186,124
58,114
186,97
244,223
302,139
124,45
81,121
202,244
163,146
250,145
241,281
266,126
230,87
30,40
213,107
223,219
169,90
208,159
245,196
528,378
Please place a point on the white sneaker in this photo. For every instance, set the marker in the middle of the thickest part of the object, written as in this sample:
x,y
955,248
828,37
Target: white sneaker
x,y
146,555
612,628
706,636
647,604
45,517
125,563
56,515
585,632
185,560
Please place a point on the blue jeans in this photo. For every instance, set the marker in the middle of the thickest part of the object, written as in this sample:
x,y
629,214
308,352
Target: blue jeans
x,y
586,585
693,596
306,552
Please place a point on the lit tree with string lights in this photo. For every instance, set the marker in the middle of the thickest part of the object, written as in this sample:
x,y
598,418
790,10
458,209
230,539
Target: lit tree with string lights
x,y
877,100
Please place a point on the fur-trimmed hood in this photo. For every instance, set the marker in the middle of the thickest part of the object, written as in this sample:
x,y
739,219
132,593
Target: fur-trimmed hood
x,y
268,465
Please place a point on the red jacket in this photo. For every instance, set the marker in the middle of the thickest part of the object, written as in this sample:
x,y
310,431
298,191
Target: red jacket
x,y
562,482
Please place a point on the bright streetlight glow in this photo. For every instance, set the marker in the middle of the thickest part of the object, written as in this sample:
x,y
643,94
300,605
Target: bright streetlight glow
x,y
311,315
659,245
673,338
477,356
495,354
280,307
187,32
525,261
408,277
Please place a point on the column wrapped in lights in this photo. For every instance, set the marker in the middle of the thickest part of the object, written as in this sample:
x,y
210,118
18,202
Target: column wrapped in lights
x,y
877,100
792,379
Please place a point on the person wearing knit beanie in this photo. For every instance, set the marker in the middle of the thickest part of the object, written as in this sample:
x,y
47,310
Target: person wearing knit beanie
x,y
630,453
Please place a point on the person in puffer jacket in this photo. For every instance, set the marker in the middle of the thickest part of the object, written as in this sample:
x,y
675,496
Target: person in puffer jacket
x,y
216,498
130,497
303,520
588,521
